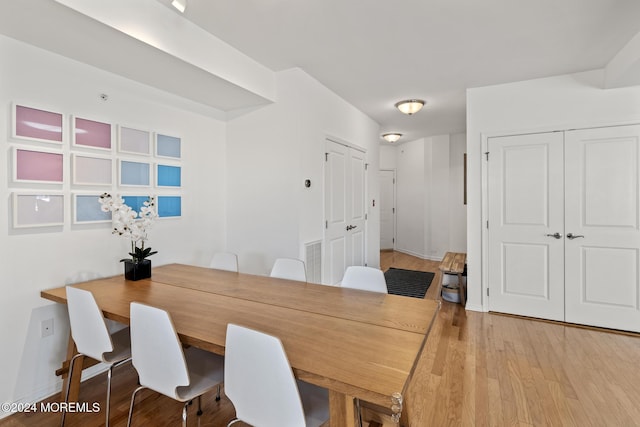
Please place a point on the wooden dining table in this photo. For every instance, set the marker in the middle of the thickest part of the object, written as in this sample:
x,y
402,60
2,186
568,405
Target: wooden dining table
x,y
357,344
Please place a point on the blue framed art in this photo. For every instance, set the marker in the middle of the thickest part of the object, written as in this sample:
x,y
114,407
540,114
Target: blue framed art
x,y
87,209
135,173
168,176
169,206
168,146
135,202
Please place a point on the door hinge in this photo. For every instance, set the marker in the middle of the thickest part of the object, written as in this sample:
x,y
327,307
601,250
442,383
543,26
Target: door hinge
x,y
393,240
326,224
366,166
394,180
487,291
486,153
366,217
487,224
326,157
393,210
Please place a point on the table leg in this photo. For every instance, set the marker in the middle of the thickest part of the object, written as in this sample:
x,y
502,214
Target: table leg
x,y
341,411
75,376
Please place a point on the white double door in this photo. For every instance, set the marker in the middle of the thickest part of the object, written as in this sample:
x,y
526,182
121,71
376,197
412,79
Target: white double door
x,y
345,212
563,226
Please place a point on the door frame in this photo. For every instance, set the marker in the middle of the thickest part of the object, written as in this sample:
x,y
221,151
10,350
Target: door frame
x,y
484,188
329,138
394,204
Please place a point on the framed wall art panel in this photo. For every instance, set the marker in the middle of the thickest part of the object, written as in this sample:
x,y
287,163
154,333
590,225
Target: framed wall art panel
x,y
90,170
134,202
38,210
134,141
91,134
37,125
168,146
168,176
169,206
135,173
86,209
36,165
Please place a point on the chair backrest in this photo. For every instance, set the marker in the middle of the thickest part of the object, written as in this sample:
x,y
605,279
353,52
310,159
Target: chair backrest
x,y
365,278
156,352
88,328
259,381
225,261
289,268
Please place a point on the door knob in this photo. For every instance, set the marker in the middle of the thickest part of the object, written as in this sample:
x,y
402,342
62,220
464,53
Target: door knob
x,y
555,235
572,236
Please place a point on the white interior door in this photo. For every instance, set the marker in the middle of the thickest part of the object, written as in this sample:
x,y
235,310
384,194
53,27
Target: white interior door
x,y
387,209
526,196
602,215
345,215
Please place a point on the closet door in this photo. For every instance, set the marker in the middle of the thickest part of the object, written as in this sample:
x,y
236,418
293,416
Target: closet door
x,y
526,210
602,227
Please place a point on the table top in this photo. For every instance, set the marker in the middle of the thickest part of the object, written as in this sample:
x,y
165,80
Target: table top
x,y
358,343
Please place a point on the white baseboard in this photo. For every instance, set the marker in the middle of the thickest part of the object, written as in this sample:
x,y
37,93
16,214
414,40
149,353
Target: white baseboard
x,y
474,307
421,256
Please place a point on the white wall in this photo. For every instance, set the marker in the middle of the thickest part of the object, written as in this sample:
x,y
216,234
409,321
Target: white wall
x,y
410,198
554,103
34,260
431,215
283,144
457,209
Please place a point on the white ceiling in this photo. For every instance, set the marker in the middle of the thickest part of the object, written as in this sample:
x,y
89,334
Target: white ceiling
x,y
372,53
375,52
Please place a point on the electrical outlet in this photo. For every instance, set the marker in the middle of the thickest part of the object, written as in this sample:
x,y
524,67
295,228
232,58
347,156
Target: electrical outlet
x,y
46,328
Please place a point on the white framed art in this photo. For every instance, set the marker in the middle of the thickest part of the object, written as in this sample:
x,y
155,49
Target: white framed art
x,y
43,209
91,170
134,141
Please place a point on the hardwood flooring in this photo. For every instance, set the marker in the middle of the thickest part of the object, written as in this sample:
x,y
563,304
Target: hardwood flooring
x,y
477,369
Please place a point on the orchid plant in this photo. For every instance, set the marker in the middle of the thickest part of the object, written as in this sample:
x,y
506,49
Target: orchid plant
x,y
131,224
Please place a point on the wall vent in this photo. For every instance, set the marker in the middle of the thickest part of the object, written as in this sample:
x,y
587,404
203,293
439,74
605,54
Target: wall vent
x,y
313,261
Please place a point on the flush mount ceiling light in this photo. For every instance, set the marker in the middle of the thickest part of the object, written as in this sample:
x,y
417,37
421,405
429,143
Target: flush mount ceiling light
x,y
410,106
181,5
391,137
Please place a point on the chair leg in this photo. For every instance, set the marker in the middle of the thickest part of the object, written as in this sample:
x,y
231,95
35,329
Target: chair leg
x,y
218,394
184,415
133,399
199,405
109,373
66,394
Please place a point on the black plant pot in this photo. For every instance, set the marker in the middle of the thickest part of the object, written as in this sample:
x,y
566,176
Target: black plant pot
x,y
137,270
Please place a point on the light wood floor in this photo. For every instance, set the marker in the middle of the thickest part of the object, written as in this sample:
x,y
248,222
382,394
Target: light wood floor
x,y
477,369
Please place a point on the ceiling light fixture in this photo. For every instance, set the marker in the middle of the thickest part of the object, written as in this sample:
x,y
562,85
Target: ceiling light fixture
x,y
391,137
410,106
181,5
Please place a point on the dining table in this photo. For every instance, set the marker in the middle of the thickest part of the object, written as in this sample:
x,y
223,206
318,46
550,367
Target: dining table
x,y
362,346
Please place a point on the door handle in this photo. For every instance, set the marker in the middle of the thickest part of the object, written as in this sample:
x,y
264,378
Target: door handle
x,y
572,236
555,235
351,227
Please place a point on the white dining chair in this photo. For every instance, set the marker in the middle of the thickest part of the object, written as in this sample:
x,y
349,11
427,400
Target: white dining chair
x,y
289,268
259,382
93,339
225,261
162,364
364,278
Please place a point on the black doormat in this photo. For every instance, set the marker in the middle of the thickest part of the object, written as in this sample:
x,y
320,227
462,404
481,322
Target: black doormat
x,y
408,283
